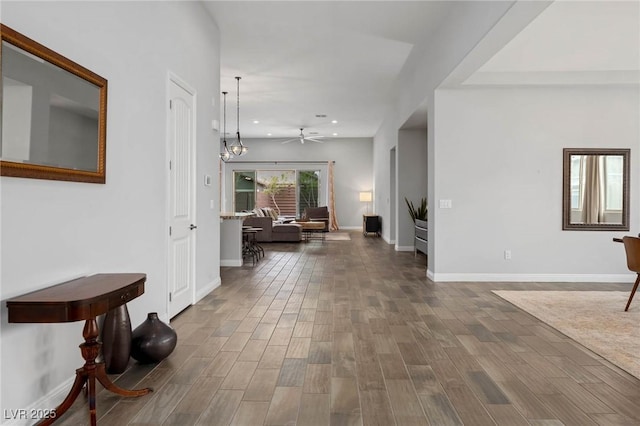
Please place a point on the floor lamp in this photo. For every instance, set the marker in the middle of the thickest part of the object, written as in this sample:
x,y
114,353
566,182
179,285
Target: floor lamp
x,y
366,197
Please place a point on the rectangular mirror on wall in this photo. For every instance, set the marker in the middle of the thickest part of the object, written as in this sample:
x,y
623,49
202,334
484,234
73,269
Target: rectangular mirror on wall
x,y
53,114
595,189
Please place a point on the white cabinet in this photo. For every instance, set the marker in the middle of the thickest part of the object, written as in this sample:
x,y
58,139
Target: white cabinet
x,y
420,243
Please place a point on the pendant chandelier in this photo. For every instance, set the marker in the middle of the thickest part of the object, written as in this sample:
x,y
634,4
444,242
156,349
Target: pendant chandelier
x,y
225,155
237,148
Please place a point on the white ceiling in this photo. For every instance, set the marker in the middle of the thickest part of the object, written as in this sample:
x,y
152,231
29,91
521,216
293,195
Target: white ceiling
x,y
298,59
590,42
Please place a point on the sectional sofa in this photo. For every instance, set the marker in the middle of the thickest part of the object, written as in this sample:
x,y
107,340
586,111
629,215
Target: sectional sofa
x,y
272,231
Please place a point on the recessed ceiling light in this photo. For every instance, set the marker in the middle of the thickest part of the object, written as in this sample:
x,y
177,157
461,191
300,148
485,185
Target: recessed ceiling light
x,y
268,134
256,122
335,134
334,121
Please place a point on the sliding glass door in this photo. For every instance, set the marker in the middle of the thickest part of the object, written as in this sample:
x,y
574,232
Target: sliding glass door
x,y
244,190
308,189
277,189
288,192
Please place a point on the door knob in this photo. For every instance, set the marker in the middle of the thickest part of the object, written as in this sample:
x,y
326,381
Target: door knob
x,y
192,226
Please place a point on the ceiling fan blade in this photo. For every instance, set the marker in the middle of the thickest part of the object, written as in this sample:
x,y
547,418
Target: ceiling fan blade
x,y
289,140
313,140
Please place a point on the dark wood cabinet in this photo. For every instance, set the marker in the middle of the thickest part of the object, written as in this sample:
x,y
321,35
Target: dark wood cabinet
x,y
371,224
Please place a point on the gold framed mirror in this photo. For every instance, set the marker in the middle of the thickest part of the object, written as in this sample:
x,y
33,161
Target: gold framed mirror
x,y
54,114
595,189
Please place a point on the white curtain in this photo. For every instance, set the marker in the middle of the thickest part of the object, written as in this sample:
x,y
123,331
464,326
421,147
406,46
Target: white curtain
x,y
593,190
333,220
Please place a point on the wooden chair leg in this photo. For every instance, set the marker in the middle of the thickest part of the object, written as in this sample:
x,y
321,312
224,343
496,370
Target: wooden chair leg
x,y
633,292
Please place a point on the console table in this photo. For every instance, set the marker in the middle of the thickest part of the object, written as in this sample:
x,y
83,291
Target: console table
x,y
81,299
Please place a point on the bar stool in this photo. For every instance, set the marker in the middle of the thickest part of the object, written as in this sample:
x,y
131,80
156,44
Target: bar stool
x,y
248,242
257,246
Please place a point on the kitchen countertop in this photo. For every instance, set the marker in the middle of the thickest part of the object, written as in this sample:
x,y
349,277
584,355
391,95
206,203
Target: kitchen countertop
x,y
231,215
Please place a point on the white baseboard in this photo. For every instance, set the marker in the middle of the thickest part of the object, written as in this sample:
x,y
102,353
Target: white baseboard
x,y
201,293
44,405
404,248
230,262
573,278
350,228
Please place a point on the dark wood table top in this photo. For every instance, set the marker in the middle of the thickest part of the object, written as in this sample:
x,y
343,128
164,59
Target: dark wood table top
x,y
80,299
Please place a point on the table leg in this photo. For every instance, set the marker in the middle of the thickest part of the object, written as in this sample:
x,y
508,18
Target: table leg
x,y
78,384
101,375
88,374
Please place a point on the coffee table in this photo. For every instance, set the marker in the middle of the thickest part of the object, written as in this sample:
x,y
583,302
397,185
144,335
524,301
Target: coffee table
x,y
309,228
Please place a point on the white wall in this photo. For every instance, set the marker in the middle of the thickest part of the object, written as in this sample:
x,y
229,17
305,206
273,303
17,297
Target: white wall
x,y
412,182
353,169
500,157
16,122
68,134
428,65
54,231
487,27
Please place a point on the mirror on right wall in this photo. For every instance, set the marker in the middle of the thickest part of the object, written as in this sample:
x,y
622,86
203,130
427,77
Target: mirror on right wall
x,y
595,189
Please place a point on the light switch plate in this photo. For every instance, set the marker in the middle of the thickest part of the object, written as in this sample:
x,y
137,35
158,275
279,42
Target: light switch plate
x,y
445,204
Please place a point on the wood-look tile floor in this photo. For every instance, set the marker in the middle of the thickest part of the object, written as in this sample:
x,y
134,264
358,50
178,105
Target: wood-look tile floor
x,y
353,333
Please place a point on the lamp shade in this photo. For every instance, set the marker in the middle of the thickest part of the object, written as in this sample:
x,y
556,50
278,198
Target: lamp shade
x,y
365,196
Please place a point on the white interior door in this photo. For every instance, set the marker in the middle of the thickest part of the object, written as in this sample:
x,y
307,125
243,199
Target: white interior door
x,y
182,227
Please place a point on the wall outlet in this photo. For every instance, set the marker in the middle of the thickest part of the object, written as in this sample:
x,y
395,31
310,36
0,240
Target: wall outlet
x,y
507,255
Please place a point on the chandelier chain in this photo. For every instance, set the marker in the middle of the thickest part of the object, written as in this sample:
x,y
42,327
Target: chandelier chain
x,y
225,155
238,105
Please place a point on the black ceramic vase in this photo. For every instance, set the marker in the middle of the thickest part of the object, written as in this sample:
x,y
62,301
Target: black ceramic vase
x,y
116,339
153,340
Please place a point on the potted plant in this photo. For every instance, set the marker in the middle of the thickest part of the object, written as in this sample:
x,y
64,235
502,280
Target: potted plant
x,y
419,214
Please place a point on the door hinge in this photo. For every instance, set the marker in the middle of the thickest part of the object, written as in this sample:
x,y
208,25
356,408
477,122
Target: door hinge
x,y
169,231
169,297
169,164
170,104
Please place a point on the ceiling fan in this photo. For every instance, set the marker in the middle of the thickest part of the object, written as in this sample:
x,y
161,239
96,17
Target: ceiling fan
x,y
302,138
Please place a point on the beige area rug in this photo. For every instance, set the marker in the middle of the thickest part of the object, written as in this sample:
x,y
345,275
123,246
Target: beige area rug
x,y
337,236
595,319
